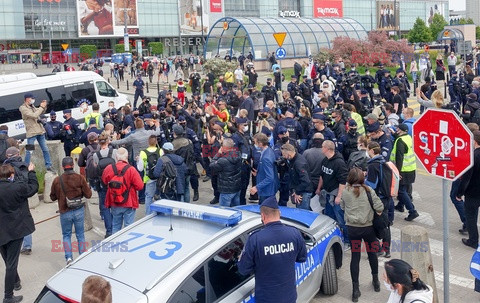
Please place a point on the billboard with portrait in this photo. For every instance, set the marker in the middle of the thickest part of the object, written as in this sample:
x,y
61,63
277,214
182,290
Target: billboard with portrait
x,y
432,9
388,15
193,13
100,18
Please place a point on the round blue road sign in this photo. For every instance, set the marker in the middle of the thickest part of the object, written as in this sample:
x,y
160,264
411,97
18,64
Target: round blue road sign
x,y
280,53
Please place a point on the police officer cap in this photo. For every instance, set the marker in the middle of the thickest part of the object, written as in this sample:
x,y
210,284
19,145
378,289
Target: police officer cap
x,y
399,70
181,118
291,110
374,127
454,72
250,86
67,111
148,116
386,72
241,120
363,91
28,95
352,123
219,123
113,111
266,131
270,202
294,77
319,116
225,88
53,113
282,129
92,121
177,130
161,109
339,99
472,97
269,79
266,109
403,127
317,110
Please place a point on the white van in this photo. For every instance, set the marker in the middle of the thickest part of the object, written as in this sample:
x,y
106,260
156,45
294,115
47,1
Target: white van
x,y
62,90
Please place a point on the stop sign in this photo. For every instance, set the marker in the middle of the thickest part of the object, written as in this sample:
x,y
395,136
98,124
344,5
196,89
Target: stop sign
x,y
443,143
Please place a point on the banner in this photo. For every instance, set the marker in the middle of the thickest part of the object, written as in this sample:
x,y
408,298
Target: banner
x,y
388,15
327,8
432,10
193,14
107,18
215,6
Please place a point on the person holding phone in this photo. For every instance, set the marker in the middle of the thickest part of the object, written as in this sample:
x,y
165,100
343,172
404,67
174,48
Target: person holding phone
x,y
34,127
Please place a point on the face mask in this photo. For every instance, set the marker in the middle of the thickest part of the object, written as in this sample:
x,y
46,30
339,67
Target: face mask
x,y
300,114
53,119
245,129
32,101
65,117
359,147
11,178
388,286
402,116
285,140
352,131
258,147
110,107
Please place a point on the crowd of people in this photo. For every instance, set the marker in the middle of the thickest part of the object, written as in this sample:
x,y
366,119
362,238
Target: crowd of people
x,y
328,139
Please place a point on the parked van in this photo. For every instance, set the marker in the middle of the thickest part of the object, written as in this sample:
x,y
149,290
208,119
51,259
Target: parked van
x,y
62,90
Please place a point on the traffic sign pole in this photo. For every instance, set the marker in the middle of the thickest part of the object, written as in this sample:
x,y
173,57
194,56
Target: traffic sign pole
x,y
446,252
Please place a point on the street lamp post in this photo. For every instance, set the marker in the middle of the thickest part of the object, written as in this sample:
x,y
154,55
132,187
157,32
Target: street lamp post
x,y
50,55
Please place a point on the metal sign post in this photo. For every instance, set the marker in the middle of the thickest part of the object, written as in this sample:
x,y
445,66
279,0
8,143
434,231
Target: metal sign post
x,y
280,53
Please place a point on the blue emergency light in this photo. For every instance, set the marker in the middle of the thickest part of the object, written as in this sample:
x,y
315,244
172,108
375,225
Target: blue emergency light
x,y
223,216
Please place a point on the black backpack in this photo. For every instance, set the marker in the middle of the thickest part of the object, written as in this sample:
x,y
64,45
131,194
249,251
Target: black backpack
x,y
476,117
103,162
90,168
152,158
3,147
167,182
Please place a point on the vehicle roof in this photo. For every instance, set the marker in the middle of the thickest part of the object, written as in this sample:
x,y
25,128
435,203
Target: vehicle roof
x,y
190,233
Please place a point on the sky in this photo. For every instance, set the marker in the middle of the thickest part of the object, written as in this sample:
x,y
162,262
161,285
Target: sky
x,y
456,5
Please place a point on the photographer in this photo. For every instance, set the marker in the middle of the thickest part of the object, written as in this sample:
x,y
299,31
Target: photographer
x,y
269,92
368,83
144,107
195,81
214,135
252,76
300,185
71,132
34,127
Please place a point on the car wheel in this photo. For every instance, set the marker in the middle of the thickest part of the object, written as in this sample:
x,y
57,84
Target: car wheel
x,y
329,284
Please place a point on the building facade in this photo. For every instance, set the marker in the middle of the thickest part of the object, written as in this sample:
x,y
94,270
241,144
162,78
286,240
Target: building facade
x,y
29,28
473,10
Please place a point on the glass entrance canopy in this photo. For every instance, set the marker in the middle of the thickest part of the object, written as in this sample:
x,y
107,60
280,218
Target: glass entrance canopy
x,y
243,35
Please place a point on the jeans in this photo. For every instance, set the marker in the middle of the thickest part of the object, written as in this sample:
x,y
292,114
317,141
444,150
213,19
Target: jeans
x,y
43,145
404,199
27,242
471,214
10,253
150,189
305,204
459,205
451,69
67,220
105,213
336,213
230,200
367,234
414,76
122,216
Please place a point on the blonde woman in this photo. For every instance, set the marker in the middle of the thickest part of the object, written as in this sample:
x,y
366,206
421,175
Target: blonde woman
x,y
436,101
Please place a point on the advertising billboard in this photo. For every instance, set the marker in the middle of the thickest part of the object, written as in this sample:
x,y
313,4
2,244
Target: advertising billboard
x,y
432,9
215,6
388,15
327,8
193,13
100,18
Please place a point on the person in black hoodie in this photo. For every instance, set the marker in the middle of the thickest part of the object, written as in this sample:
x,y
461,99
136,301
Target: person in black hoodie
x,y
300,184
470,108
227,164
332,180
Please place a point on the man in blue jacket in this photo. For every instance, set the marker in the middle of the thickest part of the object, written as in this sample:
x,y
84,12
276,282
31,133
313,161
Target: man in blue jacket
x,y
267,175
274,268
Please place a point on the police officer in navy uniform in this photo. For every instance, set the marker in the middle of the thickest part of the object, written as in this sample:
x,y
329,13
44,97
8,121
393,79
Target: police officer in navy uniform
x,y
197,151
282,165
71,132
293,126
271,253
243,142
53,127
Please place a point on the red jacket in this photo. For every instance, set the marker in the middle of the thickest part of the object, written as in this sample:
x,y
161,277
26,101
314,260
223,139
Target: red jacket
x,y
132,180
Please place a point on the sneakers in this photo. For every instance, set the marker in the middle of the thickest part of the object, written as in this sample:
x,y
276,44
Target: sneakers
x,y
69,260
412,216
13,299
17,286
346,247
26,251
399,208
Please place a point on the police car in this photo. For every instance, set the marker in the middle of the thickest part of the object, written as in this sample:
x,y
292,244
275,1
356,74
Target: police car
x,y
188,253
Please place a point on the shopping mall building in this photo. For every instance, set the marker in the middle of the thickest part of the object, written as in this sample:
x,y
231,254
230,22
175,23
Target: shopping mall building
x,y
28,26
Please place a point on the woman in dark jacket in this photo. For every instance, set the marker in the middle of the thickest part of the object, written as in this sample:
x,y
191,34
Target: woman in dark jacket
x,y
17,222
440,69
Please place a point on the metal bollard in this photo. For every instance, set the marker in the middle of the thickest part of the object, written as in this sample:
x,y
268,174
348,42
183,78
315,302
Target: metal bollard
x,y
415,85
118,83
158,88
445,86
147,88
108,80
127,84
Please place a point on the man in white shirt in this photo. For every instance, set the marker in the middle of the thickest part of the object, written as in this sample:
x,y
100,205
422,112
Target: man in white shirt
x,y
239,75
422,64
452,63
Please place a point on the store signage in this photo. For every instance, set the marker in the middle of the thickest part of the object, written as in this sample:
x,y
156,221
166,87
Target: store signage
x,y
20,45
192,41
51,25
295,14
215,6
327,8
58,1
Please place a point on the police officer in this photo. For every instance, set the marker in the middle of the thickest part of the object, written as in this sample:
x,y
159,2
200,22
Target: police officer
x,y
293,87
306,89
71,132
139,85
385,86
197,151
243,142
319,126
53,127
379,74
113,118
269,92
293,126
271,253
368,82
282,164
376,133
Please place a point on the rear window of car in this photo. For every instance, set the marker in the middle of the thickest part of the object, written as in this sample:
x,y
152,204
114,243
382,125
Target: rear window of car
x,y
47,296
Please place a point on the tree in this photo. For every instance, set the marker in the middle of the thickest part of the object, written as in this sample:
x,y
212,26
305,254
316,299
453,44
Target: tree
x,y
88,51
477,32
156,48
463,21
438,24
219,66
119,48
420,32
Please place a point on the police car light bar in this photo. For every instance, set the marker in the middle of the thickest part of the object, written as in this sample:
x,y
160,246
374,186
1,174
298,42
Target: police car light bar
x,y
228,217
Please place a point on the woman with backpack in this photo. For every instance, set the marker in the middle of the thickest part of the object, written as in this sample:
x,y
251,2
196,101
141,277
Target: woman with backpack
x,y
359,202
404,284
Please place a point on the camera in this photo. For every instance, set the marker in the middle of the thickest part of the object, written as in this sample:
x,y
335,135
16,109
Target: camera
x,y
168,120
281,161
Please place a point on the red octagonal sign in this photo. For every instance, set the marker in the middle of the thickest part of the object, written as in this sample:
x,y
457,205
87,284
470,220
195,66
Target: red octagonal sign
x,y
443,143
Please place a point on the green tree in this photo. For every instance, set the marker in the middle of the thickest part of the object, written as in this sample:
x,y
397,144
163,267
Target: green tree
x,y
156,48
88,51
477,32
438,23
463,21
420,32
119,48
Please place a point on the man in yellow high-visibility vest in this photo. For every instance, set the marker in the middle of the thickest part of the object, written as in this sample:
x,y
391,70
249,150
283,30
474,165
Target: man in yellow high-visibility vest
x,y
404,158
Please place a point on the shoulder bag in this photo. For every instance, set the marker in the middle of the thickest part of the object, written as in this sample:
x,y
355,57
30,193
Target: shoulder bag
x,y
380,223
